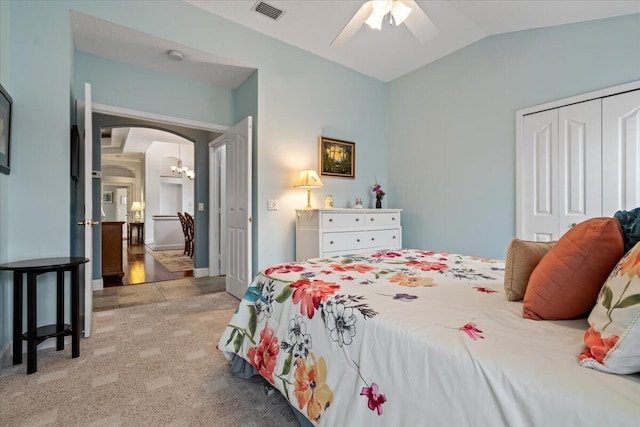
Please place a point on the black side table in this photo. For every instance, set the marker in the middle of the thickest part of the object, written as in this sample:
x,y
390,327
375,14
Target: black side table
x,y
35,335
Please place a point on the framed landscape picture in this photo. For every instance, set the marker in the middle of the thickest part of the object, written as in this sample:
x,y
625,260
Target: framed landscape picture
x,y
337,158
5,131
107,197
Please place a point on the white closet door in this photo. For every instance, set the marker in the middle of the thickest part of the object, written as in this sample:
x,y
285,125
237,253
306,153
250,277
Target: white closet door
x,y
621,152
540,176
579,164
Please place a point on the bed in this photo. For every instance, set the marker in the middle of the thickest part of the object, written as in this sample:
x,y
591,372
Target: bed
x,y
414,337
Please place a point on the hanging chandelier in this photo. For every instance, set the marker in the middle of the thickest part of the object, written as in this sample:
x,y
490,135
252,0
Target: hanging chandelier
x,y
182,170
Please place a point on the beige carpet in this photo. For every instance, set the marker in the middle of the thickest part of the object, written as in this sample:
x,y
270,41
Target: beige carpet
x,y
151,365
174,260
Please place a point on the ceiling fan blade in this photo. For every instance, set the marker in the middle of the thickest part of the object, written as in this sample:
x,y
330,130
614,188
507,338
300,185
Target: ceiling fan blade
x,y
353,25
419,23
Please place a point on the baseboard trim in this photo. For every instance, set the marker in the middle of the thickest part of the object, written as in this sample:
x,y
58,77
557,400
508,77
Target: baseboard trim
x,y
97,284
200,272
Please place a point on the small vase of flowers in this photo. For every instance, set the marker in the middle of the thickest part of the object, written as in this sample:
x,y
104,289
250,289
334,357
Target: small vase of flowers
x,y
379,195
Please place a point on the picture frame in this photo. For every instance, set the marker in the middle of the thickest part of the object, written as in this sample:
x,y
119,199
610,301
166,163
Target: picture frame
x,y
107,197
6,105
337,158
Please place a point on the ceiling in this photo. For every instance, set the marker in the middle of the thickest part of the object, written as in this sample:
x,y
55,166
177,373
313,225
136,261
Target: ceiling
x,y
129,144
102,38
388,54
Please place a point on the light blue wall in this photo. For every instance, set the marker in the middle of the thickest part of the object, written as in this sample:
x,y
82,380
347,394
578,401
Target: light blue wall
x,y
36,202
452,126
6,293
123,85
300,97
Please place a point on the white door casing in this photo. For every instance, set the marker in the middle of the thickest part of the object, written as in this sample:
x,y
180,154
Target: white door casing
x,y
218,207
88,210
621,152
238,188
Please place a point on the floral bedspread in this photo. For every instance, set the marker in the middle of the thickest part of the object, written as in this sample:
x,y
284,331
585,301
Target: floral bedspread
x,y
414,337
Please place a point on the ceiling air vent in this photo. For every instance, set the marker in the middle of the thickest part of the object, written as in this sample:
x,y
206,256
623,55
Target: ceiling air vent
x,y
267,10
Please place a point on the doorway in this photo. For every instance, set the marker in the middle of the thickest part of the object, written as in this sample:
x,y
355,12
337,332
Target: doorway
x,y
197,140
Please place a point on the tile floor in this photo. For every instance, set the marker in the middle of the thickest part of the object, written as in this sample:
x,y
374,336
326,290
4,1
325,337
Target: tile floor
x,y
146,293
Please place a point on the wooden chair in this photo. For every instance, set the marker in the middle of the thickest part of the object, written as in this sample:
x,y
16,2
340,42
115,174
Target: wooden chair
x,y
185,231
191,229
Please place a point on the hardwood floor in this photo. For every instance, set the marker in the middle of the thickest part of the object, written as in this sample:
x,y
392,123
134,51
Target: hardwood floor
x,y
140,266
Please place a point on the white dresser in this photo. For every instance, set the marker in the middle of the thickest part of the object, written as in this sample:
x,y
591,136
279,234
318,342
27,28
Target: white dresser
x,y
330,232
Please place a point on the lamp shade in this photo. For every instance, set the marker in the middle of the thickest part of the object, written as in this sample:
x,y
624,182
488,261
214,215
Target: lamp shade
x,y
308,179
136,207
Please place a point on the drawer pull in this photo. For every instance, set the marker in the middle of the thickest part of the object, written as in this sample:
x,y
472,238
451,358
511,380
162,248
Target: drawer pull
x,y
330,219
358,240
331,242
357,219
371,219
373,238
394,237
393,218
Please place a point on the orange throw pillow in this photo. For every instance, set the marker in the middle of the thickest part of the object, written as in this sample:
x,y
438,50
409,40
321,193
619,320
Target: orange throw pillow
x,y
566,282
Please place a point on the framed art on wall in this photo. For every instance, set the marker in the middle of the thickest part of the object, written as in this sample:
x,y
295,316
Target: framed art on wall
x,y
5,131
337,158
107,197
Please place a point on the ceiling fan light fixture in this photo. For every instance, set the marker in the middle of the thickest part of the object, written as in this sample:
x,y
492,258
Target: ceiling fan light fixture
x,y
375,21
400,12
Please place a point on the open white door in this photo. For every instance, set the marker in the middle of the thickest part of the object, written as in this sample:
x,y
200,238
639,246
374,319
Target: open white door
x,y
238,209
88,210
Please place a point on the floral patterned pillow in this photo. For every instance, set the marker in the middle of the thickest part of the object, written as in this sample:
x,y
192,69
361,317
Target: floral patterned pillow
x,y
613,338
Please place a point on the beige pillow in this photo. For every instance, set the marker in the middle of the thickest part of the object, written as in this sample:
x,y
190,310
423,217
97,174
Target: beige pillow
x,y
522,257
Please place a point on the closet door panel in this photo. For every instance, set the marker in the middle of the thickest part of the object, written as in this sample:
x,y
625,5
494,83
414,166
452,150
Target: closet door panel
x,y
540,176
580,164
621,152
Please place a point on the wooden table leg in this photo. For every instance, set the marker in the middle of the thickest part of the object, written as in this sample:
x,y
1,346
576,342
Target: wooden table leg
x,y
75,310
17,318
32,365
60,309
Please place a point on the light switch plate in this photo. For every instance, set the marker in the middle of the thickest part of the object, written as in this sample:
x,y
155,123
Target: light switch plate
x,y
272,205
201,207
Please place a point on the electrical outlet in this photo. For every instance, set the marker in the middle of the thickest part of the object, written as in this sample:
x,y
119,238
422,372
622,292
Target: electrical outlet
x,y
201,207
272,205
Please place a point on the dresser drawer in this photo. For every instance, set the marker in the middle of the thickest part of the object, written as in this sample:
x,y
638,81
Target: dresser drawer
x,y
348,241
342,220
382,219
389,239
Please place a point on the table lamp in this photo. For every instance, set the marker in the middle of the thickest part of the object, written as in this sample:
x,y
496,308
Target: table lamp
x,y
308,179
137,208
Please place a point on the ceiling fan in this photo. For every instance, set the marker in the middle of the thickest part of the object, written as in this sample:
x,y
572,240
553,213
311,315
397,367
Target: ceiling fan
x,y
374,12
